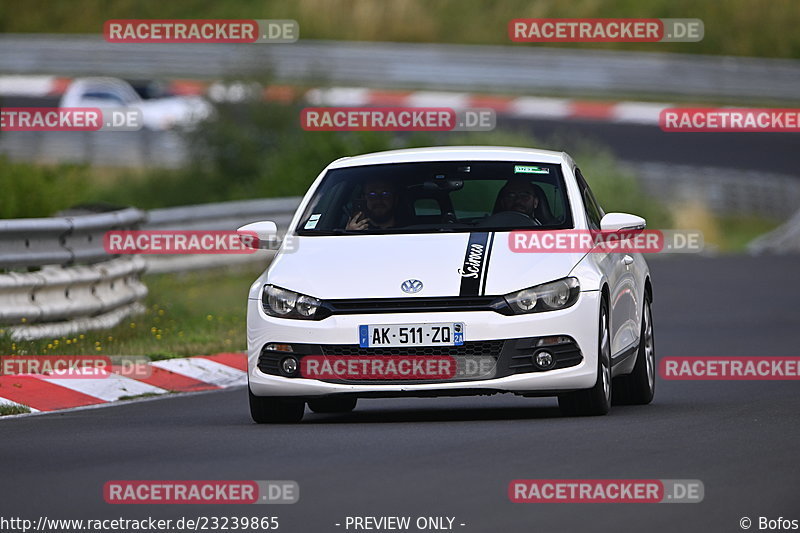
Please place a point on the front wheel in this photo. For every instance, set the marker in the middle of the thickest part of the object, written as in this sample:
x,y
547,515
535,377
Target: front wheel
x,y
639,387
275,410
597,400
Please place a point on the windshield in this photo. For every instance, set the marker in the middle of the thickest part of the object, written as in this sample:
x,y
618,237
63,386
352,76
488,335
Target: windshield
x,y
433,197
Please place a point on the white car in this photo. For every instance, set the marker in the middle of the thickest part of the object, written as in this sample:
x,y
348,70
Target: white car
x,y
397,278
157,113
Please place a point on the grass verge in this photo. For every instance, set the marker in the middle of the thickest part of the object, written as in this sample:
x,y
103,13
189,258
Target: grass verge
x,y
195,313
8,409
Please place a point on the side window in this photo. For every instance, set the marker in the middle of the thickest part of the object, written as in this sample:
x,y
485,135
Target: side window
x,y
593,210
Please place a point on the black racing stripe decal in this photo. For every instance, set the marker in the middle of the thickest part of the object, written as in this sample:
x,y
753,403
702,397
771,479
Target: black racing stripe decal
x,y
485,273
474,263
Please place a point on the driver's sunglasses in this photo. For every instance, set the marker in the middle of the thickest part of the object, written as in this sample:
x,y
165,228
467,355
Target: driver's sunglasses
x,y
521,195
374,195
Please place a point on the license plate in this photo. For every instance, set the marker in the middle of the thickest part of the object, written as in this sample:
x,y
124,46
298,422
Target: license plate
x,y
382,335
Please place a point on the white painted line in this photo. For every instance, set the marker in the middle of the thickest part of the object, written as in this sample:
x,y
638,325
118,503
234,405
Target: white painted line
x,y
204,370
529,106
438,99
338,96
26,85
637,112
109,389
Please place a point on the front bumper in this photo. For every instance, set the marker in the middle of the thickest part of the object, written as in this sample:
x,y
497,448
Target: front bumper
x,y
578,322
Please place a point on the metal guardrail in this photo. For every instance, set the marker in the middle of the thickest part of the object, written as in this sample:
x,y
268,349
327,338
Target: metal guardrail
x,y
75,280
725,191
513,68
77,286
64,241
53,293
784,239
222,216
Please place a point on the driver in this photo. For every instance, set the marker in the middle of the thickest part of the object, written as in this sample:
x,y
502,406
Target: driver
x,y
521,196
379,199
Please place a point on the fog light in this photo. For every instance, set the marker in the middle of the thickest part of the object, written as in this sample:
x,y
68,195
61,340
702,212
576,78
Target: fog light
x,y
289,365
544,360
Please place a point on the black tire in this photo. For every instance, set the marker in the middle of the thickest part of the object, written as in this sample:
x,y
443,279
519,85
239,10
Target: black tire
x,y
334,404
275,410
639,387
597,400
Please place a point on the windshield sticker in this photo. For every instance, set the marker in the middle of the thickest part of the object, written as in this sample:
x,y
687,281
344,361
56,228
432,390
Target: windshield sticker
x,y
312,221
522,169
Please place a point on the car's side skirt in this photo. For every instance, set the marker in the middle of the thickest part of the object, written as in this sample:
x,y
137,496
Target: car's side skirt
x,y
624,361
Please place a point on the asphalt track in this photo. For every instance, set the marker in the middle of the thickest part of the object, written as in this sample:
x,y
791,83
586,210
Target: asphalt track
x,y
455,457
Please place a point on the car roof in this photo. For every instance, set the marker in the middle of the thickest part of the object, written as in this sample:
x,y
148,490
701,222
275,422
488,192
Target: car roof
x,y
452,153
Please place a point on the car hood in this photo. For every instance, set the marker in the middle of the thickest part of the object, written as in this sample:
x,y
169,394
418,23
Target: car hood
x,y
375,266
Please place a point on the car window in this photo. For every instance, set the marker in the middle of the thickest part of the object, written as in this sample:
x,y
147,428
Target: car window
x,y
438,196
111,98
594,213
471,200
427,206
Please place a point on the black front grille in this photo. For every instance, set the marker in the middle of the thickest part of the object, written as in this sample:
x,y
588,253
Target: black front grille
x,y
268,362
476,348
412,304
511,356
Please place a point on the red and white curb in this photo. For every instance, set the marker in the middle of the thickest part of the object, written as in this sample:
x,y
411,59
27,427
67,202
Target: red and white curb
x,y
515,106
33,86
42,393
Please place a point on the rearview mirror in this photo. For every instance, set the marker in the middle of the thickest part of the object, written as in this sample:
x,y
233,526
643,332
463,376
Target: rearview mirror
x,y
266,232
622,221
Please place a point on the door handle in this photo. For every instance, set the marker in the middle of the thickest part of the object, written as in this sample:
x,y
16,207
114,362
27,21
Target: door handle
x,y
628,260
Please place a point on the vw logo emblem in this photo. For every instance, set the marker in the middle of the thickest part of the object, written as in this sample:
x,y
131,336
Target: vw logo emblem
x,y
411,286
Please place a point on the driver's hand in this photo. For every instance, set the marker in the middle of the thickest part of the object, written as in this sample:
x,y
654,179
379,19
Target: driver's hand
x,y
358,223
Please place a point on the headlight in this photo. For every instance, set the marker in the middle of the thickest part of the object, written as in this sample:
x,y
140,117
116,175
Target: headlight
x,y
551,296
289,304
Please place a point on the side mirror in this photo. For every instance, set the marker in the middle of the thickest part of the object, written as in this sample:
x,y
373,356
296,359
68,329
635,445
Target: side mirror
x,y
622,221
259,234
